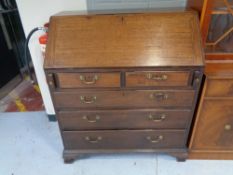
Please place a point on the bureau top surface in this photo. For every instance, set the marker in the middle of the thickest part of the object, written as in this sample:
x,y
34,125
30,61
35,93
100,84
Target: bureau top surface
x,y
124,40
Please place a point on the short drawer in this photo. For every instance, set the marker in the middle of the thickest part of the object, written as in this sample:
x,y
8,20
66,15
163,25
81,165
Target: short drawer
x,y
124,119
84,80
219,87
124,139
157,78
135,98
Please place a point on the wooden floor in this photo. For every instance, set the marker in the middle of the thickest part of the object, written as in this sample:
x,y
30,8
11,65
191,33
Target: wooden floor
x,y
25,97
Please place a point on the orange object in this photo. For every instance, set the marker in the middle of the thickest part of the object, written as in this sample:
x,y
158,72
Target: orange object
x,y
43,40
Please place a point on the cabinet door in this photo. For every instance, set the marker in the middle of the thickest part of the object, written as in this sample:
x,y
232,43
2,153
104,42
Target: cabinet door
x,y
217,27
215,126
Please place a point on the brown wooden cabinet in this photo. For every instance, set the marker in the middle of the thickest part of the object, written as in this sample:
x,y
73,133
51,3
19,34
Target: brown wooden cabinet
x,y
212,134
124,82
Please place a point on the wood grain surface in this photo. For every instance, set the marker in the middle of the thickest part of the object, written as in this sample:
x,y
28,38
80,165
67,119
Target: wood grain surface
x,y
124,40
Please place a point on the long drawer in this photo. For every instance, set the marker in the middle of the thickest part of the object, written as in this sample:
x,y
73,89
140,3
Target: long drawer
x,y
124,119
124,139
134,98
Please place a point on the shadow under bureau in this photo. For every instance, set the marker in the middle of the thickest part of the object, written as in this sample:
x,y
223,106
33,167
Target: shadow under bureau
x,y
124,82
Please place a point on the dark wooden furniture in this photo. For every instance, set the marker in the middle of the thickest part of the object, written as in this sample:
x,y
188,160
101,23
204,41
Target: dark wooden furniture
x,y
212,134
124,82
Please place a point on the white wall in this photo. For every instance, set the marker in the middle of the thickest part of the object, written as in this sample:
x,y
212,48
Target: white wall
x,y
134,4
35,13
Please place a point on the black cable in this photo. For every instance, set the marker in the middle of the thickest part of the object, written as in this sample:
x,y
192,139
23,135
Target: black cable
x,y
26,53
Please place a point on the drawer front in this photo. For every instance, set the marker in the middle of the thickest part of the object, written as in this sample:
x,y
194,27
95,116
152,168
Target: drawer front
x,y
84,80
124,139
222,87
124,119
157,78
137,98
215,126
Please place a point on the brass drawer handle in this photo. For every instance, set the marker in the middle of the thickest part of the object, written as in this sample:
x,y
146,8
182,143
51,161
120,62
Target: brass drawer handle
x,y
93,140
157,118
227,127
151,76
90,120
155,139
88,100
88,82
159,96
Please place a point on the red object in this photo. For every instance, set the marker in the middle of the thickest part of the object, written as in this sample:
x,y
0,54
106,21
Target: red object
x,y
46,25
43,38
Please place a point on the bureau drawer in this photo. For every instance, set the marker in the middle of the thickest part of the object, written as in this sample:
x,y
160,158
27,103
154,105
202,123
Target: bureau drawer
x,y
157,78
219,87
124,139
124,119
136,98
84,80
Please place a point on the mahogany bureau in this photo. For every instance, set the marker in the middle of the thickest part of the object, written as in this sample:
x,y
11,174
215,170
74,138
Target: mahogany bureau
x,y
124,82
